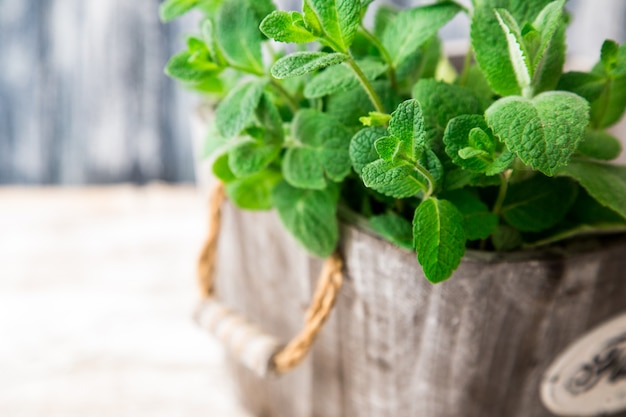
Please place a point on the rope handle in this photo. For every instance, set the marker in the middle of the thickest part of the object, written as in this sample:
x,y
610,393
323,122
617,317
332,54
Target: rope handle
x,y
254,348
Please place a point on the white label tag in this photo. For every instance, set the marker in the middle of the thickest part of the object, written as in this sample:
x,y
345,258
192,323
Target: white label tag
x,y
589,378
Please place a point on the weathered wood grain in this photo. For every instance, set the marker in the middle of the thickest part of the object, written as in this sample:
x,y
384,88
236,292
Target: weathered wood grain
x,y
474,346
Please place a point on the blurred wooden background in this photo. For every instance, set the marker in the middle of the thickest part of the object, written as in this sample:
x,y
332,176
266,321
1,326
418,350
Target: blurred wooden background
x,y
83,98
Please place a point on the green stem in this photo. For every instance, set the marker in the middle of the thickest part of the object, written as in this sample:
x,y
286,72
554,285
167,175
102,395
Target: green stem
x,y
291,102
367,85
385,53
504,186
246,69
429,178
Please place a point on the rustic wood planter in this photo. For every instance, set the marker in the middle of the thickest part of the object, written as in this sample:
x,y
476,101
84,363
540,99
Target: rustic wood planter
x,y
397,346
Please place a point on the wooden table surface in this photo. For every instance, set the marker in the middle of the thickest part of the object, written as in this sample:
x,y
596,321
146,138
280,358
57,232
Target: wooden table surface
x,y
96,296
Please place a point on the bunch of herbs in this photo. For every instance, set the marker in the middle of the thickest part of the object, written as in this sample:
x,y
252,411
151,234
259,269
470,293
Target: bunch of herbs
x,y
317,114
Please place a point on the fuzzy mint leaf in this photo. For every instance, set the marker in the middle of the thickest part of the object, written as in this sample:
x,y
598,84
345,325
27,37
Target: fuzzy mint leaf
x,y
479,222
336,21
234,112
539,203
547,23
394,228
286,27
350,106
181,67
341,78
221,169
606,183
517,55
238,37
310,215
439,238
362,149
600,145
587,85
171,9
412,28
301,63
470,145
255,191
394,179
254,153
544,132
491,48
407,125
320,152
442,102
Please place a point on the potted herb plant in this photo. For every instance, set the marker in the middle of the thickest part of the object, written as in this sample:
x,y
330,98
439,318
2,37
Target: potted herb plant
x,y
367,140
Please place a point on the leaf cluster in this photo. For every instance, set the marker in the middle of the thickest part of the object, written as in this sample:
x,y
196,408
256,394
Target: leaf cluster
x,y
505,153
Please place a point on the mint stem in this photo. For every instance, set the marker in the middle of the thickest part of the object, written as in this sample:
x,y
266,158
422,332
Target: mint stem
x,y
291,102
429,178
367,85
504,186
385,53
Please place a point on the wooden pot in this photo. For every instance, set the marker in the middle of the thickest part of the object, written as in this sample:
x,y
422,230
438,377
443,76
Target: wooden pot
x,y
477,345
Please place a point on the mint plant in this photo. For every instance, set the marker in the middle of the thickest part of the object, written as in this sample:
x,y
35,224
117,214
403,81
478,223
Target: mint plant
x,y
321,117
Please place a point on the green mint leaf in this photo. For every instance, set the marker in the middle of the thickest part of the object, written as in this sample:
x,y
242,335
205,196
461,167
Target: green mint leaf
x,y
393,179
385,14
171,9
479,222
407,125
586,210
470,145
349,106
336,20
182,67
301,63
517,55
539,203
260,8
587,85
286,27
235,111
341,78
547,23
506,238
253,155
310,215
208,34
412,28
254,192
600,145
609,108
606,183
439,238
320,152
491,47
362,149
394,228
550,67
544,132
455,179
213,142
237,34
609,55
375,118
442,102
221,169
390,147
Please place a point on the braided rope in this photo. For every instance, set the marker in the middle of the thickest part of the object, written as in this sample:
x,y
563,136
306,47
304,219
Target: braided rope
x,y
328,286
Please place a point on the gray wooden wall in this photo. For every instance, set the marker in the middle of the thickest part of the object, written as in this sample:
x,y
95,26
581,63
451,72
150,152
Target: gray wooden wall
x,y
83,98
